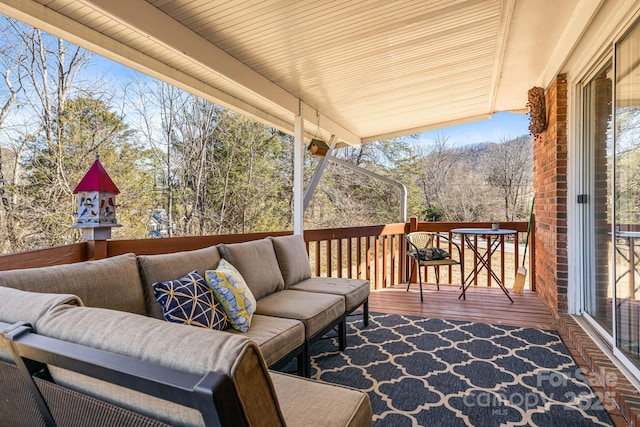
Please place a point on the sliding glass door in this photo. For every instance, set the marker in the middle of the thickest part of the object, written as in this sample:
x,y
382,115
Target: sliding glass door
x,y
627,195
611,220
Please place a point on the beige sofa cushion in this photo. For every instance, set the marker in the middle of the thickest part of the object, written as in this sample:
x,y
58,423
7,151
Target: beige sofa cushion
x,y
24,306
354,291
293,258
109,283
275,336
256,261
187,348
331,405
165,267
315,310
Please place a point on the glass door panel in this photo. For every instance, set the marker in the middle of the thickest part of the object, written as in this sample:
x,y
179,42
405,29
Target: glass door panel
x,y
627,195
598,292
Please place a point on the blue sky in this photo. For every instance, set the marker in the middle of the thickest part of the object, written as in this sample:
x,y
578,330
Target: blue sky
x,y
499,127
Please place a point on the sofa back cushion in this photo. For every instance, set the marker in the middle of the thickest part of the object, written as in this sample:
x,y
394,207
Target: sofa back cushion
x,y
257,263
293,259
108,283
23,306
187,348
165,267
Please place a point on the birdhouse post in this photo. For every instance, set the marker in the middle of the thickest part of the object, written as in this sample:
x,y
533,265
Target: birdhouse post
x,y
96,203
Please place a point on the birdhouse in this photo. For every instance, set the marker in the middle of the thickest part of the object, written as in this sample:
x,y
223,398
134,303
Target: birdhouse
x,y
318,147
96,203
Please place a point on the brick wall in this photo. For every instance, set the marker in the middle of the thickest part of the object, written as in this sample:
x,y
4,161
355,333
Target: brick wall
x,y
550,184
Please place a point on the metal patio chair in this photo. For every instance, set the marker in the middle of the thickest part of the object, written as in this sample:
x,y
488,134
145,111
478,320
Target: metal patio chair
x,y
424,251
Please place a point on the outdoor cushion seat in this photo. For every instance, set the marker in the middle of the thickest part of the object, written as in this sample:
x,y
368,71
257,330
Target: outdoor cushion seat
x,y
25,306
277,337
266,398
293,259
354,291
320,313
348,407
316,311
256,261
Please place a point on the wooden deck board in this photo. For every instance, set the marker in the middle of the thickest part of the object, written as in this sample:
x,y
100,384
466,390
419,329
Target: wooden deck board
x,y
488,305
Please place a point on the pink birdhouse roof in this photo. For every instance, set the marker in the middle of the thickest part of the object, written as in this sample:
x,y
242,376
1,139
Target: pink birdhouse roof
x,y
96,179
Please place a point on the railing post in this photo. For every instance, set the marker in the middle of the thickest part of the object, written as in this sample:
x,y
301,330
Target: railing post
x,y
413,226
96,249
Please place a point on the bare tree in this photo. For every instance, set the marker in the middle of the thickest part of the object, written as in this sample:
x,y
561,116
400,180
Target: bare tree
x,y
196,124
12,60
437,164
510,166
158,104
50,72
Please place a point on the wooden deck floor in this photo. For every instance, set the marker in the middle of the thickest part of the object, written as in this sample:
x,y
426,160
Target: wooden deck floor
x,y
488,305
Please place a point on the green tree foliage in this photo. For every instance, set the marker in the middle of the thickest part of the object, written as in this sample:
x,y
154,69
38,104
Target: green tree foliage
x,y
216,171
86,126
248,165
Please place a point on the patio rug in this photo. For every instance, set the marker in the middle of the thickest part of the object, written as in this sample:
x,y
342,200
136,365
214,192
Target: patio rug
x,y
432,372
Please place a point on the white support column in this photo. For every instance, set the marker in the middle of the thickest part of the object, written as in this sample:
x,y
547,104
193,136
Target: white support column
x,y
298,176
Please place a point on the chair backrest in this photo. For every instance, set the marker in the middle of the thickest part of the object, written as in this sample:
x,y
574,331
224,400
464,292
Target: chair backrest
x,y
420,239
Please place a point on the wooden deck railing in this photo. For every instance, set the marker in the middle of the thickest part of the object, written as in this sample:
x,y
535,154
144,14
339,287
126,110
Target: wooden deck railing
x,y
376,253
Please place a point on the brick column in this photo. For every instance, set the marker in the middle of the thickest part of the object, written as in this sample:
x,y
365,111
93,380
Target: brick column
x,y
550,184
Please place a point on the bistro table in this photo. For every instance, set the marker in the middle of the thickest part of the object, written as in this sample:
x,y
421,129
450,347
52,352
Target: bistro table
x,y
495,238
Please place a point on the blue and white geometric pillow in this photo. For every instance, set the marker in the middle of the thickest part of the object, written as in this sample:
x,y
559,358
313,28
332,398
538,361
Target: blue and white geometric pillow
x,y
190,301
234,294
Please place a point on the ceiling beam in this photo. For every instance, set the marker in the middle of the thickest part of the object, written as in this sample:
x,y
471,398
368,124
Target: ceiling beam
x,y
142,16
45,19
151,21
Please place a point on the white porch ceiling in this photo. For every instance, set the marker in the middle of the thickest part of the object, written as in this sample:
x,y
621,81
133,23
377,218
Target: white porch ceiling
x,y
363,69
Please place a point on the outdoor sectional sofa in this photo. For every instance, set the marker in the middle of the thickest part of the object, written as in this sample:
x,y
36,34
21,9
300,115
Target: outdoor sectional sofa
x,y
108,306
